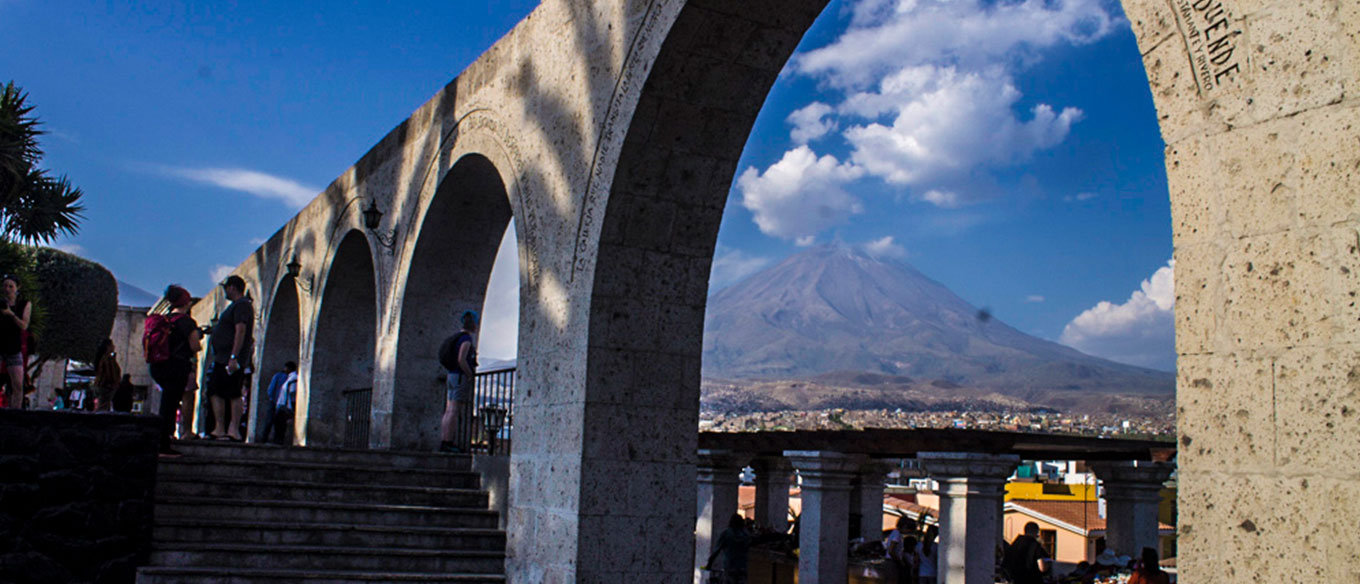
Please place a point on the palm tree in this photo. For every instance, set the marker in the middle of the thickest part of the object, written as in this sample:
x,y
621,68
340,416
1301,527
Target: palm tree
x,y
34,207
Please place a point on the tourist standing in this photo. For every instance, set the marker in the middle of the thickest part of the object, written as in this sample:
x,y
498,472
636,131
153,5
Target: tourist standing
x,y
106,376
15,312
900,547
458,355
734,545
171,342
926,554
231,342
282,394
122,397
1021,560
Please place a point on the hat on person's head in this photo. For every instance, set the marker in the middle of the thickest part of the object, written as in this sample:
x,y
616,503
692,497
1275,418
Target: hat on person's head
x,y
1107,558
470,317
234,281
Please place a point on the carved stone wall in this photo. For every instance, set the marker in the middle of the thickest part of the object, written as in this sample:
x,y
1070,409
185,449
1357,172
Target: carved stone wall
x,y
1257,105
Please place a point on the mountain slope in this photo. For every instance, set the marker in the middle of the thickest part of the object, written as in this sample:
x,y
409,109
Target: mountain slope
x,y
836,309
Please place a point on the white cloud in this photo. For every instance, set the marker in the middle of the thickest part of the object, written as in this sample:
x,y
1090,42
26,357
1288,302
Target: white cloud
x,y
946,123
1141,331
499,337
220,272
886,36
265,186
927,103
884,247
70,247
800,195
1079,197
731,265
1034,298
810,123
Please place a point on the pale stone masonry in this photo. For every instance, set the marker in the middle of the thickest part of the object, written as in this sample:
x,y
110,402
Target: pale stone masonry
x,y
610,131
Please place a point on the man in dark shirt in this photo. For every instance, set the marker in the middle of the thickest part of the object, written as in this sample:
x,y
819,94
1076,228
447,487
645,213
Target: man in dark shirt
x,y
231,342
1022,558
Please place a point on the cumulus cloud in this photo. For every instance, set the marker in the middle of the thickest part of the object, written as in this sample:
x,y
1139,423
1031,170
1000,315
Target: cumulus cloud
x,y
731,265
885,36
220,272
923,94
1140,331
811,123
800,195
265,186
947,123
884,247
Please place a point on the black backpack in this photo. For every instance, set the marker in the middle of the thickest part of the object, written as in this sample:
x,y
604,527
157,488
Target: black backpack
x,y
448,351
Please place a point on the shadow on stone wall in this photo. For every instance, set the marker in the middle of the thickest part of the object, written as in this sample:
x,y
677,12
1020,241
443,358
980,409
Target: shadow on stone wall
x,y
75,496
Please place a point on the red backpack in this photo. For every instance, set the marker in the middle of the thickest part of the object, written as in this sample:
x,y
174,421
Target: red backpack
x,y
156,337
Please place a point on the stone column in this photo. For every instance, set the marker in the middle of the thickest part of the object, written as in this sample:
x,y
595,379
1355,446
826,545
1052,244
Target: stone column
x,y
866,500
824,530
772,491
719,480
971,490
1132,496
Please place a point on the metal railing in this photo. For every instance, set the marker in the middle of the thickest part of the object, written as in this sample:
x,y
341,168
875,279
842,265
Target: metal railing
x,y
358,412
493,400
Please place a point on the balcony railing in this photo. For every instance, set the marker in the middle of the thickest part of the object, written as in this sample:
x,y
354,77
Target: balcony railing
x,y
493,397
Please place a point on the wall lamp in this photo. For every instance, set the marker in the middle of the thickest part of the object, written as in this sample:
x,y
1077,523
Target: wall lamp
x,y
294,269
372,219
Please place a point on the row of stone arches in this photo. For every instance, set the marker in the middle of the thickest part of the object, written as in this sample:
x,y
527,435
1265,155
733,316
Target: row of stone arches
x,y
631,122
331,322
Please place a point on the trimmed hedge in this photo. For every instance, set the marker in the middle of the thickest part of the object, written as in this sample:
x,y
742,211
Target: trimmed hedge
x,y
80,300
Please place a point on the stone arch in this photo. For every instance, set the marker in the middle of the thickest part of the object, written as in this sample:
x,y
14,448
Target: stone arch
x,y
281,337
455,249
343,345
640,404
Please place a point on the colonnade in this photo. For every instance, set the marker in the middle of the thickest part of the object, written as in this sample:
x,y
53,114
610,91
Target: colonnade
x,y
837,485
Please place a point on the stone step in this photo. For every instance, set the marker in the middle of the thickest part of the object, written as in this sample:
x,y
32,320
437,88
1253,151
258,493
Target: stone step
x,y
168,530
383,458
233,575
331,558
227,470
251,489
323,512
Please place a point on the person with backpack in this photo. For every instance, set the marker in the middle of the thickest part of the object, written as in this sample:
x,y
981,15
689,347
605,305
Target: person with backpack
x,y
170,342
458,355
231,342
15,312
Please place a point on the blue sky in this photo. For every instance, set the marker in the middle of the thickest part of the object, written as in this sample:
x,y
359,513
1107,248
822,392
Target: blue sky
x,y
1008,150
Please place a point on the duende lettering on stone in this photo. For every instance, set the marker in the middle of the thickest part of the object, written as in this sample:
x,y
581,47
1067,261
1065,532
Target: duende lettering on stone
x,y
1214,45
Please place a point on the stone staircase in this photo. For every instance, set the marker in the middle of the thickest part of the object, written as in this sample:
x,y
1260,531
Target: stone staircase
x,y
231,514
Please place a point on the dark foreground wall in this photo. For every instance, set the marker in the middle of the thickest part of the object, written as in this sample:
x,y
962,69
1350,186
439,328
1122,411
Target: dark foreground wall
x,y
75,496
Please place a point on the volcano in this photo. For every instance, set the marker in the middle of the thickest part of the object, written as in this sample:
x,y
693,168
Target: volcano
x,y
836,314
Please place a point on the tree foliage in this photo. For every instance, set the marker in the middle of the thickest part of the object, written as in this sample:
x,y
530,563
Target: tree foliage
x,y
34,206
81,299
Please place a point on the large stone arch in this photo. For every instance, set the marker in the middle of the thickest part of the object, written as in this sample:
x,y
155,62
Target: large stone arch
x,y
281,338
448,272
343,345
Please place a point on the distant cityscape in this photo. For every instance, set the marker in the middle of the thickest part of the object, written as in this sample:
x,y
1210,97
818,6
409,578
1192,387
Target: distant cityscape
x,y
1102,425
